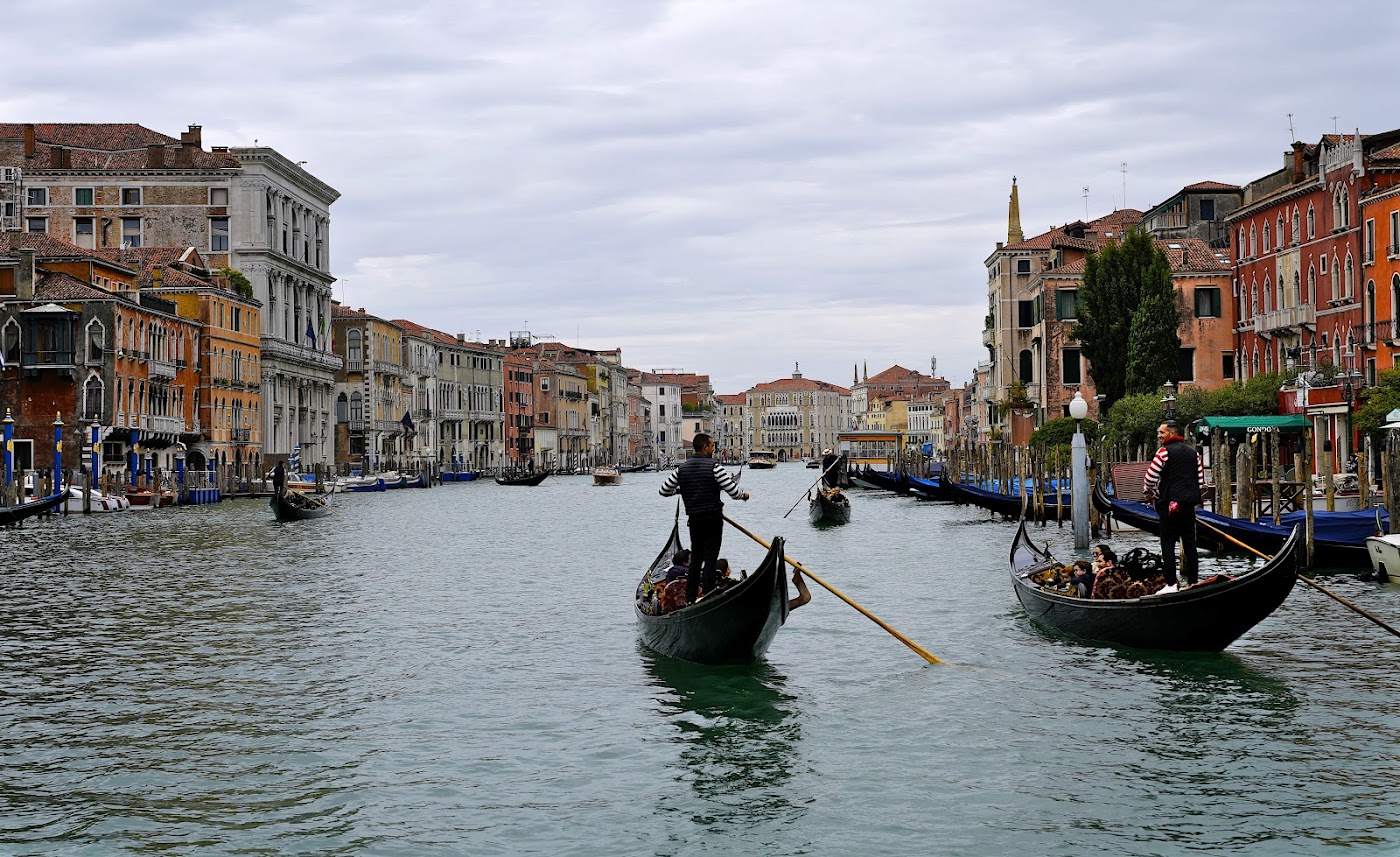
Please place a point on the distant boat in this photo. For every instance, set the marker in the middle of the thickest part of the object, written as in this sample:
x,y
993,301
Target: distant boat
x,y
530,480
762,459
459,476
359,484
294,506
829,506
606,476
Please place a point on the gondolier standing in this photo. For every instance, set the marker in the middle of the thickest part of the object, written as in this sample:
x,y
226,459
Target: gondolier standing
x,y
1175,485
699,480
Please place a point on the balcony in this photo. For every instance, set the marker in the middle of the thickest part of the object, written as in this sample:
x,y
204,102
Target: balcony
x,y
450,414
354,365
1285,319
163,425
241,435
1376,331
989,337
161,368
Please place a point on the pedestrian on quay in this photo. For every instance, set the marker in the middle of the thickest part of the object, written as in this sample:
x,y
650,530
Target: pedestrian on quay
x,y
1175,485
699,480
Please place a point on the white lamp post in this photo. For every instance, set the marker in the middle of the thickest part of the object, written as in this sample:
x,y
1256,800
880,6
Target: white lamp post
x,y
1079,484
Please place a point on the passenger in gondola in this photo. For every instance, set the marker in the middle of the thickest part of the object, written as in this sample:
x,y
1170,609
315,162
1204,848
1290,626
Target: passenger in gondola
x,y
1081,579
724,575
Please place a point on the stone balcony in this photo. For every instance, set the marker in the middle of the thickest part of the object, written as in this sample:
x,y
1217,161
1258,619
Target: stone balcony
x,y
1285,319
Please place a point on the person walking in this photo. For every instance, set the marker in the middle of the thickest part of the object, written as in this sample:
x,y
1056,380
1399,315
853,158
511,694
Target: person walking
x,y
699,480
1175,485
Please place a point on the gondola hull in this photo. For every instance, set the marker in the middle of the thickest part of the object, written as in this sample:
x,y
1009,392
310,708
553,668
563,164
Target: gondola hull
x,y
284,509
1009,505
522,480
1203,618
1263,537
15,514
824,510
732,627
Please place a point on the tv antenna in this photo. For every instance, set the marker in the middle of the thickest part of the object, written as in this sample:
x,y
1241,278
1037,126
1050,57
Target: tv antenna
x,y
1086,203
1292,135
1123,167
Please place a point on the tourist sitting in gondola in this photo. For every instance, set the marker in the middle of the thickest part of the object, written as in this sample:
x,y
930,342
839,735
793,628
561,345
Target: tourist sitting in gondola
x,y
1140,573
724,576
1081,578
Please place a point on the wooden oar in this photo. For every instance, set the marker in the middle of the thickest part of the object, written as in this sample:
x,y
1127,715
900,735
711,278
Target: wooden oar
x,y
829,588
808,493
1310,582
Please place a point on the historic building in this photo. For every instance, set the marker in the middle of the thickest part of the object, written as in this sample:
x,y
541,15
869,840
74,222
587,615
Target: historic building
x,y
369,392
796,417
733,432
1380,235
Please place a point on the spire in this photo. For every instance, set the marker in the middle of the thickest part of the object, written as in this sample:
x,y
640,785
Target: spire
x,y
866,375
796,369
1013,217
855,373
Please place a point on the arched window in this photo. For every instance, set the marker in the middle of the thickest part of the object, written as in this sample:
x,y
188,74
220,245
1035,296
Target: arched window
x,y
1312,283
1240,245
1312,221
1394,299
96,337
357,407
1268,290
1278,231
353,353
1349,277
1297,289
9,342
1253,299
1253,241
1296,230
92,397
1266,238
1336,284
1370,310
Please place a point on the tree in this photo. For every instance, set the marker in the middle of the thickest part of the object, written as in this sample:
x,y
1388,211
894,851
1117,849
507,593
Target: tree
x,y
1379,400
238,282
1060,432
1134,419
1118,280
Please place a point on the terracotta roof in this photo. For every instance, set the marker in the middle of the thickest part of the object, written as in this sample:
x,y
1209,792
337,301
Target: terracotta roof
x,y
174,273
897,374
1389,153
52,286
109,146
341,311
1211,185
789,385
1114,222
49,247
1186,255
731,398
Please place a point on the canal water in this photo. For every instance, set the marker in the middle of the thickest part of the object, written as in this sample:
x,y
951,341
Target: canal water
x,y
456,671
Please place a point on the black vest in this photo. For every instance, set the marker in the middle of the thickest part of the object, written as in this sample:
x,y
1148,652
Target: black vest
x,y
1180,479
699,487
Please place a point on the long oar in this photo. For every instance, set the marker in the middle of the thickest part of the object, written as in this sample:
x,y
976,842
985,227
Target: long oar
x,y
923,653
1314,584
807,493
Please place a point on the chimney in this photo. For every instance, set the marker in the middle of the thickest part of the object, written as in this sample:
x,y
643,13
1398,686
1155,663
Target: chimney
x,y
157,276
1298,166
29,145
24,283
192,137
461,338
56,158
184,155
155,156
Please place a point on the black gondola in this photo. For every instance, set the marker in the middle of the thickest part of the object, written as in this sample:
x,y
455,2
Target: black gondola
x,y
1008,505
896,482
15,514
735,626
531,480
1207,617
829,506
292,506
1263,537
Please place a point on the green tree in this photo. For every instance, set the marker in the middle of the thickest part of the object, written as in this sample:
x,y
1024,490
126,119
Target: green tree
x,y
1117,280
238,281
1134,420
1060,432
1379,401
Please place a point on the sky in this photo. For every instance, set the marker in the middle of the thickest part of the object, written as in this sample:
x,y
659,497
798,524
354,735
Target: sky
x,y
732,187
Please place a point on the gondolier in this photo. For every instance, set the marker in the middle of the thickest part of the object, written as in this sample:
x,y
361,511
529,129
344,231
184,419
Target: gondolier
x,y
1175,485
699,480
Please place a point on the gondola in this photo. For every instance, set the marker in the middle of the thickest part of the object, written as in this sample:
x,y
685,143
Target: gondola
x,y
896,482
1207,617
735,626
293,506
829,506
531,480
1339,538
1008,505
15,514
929,489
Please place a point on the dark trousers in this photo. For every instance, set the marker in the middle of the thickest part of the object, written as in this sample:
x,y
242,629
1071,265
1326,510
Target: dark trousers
x,y
1181,526
706,534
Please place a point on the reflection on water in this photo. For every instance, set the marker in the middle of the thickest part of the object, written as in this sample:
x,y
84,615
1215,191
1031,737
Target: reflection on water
x,y
738,738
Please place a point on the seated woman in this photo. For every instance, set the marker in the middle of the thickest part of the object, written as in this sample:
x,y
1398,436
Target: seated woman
x,y
725,577
1081,578
1140,574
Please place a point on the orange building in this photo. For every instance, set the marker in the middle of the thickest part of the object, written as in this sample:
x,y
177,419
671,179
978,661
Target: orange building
x,y
1380,265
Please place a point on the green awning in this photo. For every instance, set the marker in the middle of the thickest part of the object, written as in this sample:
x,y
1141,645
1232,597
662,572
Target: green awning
x,y
1286,424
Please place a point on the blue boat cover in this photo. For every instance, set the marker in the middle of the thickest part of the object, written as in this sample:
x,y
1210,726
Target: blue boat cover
x,y
1351,528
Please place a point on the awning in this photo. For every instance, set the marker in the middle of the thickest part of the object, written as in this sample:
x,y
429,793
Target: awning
x,y
1285,424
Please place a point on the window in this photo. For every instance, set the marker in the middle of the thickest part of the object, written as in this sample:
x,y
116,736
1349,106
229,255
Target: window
x,y
1312,222
1253,241
92,397
218,196
1227,365
1394,248
82,196
1207,209
1295,225
1025,313
1266,238
131,196
1186,365
1023,266
36,196
1368,243
1027,367
1207,302
83,232
1070,367
1067,304
218,233
36,224
131,232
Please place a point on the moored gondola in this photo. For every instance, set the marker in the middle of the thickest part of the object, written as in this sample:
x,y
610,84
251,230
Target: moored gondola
x,y
18,512
530,480
1205,617
1008,505
1346,547
294,506
735,626
829,506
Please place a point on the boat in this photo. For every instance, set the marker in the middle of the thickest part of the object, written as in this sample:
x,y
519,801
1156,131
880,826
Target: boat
x,y
294,506
881,479
813,463
1339,538
606,476
1009,505
1385,556
762,459
359,484
829,506
393,479
522,479
1206,617
99,501
18,512
150,499
634,468
458,476
735,626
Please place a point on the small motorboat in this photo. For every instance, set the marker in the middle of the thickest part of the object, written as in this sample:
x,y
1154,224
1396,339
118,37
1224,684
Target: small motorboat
x,y
606,476
99,501
1385,556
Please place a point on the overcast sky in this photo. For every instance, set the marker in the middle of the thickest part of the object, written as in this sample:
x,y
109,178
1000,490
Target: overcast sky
x,y
718,186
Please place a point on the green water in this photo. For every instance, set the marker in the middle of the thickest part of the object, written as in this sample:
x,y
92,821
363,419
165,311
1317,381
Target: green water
x,y
456,671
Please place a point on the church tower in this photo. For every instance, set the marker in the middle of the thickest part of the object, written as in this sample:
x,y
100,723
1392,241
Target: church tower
x,y
1013,217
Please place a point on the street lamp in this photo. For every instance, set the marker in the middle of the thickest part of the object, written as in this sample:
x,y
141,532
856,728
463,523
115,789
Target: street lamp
x,y
1079,484
1169,400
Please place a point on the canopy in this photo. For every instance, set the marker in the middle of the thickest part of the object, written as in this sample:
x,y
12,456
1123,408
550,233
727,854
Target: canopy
x,y
1286,424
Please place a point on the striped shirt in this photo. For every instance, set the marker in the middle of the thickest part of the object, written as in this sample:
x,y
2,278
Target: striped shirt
x,y
699,486
1153,478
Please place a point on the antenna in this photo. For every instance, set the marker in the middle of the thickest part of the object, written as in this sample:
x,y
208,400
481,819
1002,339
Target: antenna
x,y
1123,167
1292,135
1086,203
1334,124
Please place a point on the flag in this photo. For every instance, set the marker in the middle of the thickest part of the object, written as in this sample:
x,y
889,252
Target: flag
x,y
310,331
409,430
